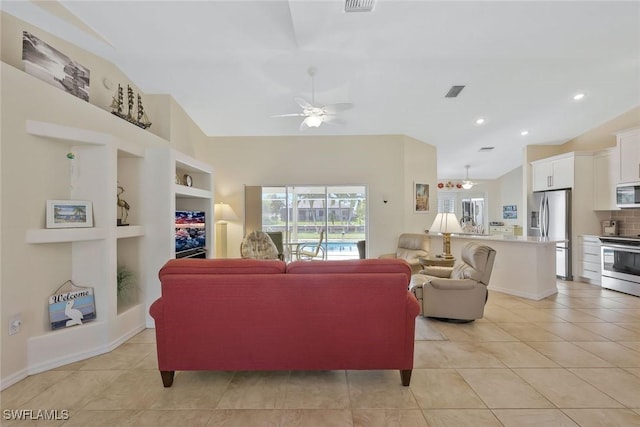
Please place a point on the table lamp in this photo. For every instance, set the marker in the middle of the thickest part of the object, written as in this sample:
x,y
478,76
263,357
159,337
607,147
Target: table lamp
x,y
223,214
445,224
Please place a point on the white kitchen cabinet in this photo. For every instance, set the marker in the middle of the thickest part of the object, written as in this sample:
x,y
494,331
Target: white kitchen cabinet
x,y
629,151
606,172
553,173
590,259
505,230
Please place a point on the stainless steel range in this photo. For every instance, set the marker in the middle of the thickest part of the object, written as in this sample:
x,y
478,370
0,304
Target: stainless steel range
x,y
621,263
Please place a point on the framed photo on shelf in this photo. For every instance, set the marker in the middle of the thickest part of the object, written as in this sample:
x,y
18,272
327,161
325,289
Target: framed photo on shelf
x,y
69,214
421,197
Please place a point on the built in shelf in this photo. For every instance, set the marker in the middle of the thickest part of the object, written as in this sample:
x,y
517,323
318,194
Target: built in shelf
x,y
129,310
184,191
80,136
61,235
124,232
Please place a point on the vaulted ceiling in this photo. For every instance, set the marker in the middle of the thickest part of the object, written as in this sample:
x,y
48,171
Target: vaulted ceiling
x,y
232,65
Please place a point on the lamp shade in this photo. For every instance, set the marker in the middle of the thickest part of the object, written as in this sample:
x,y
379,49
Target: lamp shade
x,y
445,222
224,212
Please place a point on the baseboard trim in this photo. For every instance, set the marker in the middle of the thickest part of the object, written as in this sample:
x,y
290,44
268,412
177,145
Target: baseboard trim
x,y
528,295
13,379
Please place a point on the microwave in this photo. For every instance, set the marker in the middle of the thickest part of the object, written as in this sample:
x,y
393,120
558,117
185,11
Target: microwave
x,y
628,195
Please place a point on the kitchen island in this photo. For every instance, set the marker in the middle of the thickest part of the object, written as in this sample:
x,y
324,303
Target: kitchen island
x,y
524,266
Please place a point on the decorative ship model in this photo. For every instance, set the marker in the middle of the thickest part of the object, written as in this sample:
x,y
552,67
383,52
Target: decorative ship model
x,y
140,118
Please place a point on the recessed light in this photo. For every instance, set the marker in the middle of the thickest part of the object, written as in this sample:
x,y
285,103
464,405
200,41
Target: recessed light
x,y
578,96
480,121
524,133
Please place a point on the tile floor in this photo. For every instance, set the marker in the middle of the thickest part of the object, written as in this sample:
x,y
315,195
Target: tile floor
x,y
572,359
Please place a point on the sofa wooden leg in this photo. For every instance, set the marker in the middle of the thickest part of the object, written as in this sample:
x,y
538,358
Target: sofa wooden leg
x,y
167,377
405,374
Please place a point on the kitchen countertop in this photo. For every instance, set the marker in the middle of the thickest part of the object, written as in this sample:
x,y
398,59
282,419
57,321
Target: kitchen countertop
x,y
524,266
506,239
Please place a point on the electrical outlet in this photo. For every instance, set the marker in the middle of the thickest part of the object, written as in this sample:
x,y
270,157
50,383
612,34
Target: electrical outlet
x,y
15,324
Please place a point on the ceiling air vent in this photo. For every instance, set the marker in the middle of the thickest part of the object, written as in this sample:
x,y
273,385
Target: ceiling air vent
x,y
454,91
358,5
486,148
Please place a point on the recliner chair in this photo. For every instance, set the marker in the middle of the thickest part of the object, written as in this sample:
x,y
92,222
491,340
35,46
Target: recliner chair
x,y
411,246
457,293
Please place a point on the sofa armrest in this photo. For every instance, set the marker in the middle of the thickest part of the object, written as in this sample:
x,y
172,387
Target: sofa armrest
x,y
156,310
437,271
413,306
453,284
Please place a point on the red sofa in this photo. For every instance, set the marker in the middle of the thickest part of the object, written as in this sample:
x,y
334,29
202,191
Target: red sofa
x,y
245,315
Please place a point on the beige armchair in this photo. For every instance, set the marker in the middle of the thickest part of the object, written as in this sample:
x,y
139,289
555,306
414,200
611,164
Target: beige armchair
x,y
411,246
258,245
456,293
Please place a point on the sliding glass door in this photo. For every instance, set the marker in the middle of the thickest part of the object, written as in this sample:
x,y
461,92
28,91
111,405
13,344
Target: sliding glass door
x,y
305,213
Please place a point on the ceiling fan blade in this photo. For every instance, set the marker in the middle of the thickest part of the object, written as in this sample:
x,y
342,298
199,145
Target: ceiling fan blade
x,y
334,120
289,115
303,126
302,102
335,108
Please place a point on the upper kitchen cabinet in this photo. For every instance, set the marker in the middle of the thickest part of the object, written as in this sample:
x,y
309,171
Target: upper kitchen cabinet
x,y
606,172
553,173
629,149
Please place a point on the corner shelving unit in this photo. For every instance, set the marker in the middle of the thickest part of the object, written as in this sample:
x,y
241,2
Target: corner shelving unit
x,y
103,162
146,168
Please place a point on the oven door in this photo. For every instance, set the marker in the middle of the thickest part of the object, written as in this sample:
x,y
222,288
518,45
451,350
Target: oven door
x,y
621,267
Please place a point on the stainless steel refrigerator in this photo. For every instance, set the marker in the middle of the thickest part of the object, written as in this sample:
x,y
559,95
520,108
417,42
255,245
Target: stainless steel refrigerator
x,y
550,216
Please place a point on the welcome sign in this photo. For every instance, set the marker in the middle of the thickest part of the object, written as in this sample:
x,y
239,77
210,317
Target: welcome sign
x,y
74,307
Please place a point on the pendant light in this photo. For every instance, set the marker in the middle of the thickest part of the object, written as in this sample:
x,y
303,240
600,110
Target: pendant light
x,y
466,184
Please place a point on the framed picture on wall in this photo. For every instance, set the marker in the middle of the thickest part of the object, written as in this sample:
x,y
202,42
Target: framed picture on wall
x,y
54,67
421,197
509,212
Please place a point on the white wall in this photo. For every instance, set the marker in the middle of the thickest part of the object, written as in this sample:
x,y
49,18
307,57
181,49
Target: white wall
x,y
388,165
510,192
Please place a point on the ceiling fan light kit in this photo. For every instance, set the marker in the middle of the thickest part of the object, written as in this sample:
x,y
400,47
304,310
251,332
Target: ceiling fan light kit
x,y
314,115
313,121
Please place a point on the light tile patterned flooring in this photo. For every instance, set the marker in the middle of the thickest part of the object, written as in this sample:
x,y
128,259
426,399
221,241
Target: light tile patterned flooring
x,y
572,359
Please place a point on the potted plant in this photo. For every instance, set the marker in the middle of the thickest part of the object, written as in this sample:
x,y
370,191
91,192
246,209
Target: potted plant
x,y
127,288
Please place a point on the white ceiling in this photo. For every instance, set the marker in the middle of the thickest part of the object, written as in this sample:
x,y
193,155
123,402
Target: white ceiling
x,y
233,64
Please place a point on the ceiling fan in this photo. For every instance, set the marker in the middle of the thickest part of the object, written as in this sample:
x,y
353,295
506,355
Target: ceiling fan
x,y
314,115
467,184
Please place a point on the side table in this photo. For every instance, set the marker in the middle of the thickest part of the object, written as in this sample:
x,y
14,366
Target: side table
x,y
436,261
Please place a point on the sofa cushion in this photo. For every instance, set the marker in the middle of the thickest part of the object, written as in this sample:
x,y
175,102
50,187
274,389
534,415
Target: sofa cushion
x,y
351,266
222,266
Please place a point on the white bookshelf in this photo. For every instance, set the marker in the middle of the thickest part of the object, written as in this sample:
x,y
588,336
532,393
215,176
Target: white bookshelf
x,y
103,162
147,171
164,166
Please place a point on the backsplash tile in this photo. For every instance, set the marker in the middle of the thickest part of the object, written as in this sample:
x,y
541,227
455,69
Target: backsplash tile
x,y
628,221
